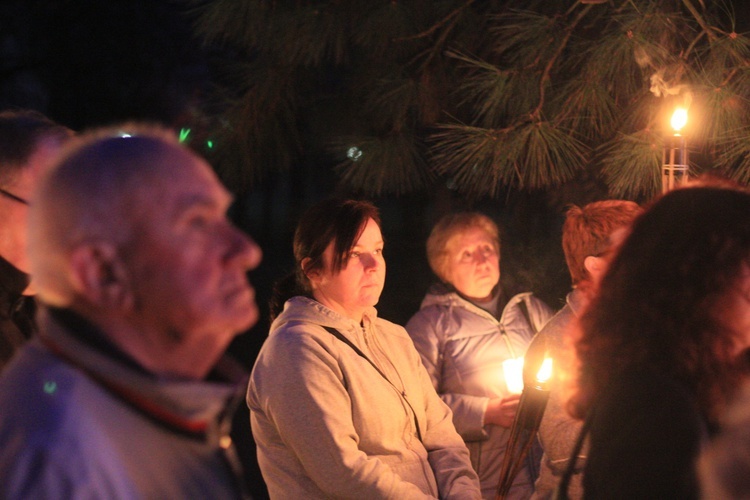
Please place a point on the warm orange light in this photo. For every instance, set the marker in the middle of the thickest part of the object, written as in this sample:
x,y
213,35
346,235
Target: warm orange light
x,y
545,371
513,372
679,119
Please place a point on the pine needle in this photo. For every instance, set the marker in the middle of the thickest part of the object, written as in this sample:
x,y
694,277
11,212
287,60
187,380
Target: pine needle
x,y
631,165
530,156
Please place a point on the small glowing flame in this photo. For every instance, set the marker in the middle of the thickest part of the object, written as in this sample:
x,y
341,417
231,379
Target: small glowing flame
x,y
545,371
679,119
513,371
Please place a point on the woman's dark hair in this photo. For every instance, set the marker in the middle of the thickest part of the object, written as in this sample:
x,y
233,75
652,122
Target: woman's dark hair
x,y
662,302
333,220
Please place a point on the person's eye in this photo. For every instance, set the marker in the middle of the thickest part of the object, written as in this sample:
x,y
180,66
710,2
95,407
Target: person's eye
x,y
203,218
378,251
198,221
354,255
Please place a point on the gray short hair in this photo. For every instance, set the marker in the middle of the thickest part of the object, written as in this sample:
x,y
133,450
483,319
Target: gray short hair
x,y
92,193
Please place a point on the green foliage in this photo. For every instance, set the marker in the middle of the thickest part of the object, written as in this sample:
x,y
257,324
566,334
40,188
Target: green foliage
x,y
631,164
481,95
528,156
734,158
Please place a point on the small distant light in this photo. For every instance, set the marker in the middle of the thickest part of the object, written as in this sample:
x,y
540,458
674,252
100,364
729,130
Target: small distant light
x,y
50,387
354,153
125,135
184,133
210,144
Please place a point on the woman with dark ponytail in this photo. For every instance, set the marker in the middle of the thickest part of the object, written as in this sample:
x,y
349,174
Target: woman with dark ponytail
x,y
340,403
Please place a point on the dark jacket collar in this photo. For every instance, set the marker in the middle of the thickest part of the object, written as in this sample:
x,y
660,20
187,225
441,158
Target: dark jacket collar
x,y
86,332
190,407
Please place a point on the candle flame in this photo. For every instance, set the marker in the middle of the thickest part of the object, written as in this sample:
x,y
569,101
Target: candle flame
x,y
545,371
513,372
679,119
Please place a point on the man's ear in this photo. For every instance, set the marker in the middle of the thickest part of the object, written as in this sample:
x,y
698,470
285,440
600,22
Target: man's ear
x,y
595,266
100,276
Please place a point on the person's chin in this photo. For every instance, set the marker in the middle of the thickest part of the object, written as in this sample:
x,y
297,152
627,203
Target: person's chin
x,y
242,307
485,285
243,318
372,292
481,293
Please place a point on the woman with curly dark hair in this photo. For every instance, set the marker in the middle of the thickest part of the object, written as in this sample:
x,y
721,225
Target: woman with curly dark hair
x,y
660,349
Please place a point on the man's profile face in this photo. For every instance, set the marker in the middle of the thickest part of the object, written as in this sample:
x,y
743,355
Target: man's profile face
x,y
189,262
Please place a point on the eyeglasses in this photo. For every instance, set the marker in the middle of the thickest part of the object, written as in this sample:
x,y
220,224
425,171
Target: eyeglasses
x,y
13,197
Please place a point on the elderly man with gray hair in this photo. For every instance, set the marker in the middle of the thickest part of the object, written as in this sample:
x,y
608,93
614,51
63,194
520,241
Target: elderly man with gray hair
x,y
143,278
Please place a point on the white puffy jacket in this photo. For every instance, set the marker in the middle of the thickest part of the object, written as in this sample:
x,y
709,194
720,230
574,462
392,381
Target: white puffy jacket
x,y
463,348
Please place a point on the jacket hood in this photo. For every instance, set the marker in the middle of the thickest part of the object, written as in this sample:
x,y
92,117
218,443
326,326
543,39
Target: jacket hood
x,y
306,310
444,295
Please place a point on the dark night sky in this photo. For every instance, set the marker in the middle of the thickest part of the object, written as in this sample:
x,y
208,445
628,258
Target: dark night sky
x,y
88,62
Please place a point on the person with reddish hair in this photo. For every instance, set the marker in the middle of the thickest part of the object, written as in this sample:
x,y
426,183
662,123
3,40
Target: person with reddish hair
x,y
590,237
661,347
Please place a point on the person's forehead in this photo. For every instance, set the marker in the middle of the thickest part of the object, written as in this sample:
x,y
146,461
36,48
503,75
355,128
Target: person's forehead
x,y
468,236
186,181
370,233
199,195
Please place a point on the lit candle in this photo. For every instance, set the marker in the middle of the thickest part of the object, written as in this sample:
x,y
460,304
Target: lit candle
x,y
513,372
675,164
545,371
679,119
529,415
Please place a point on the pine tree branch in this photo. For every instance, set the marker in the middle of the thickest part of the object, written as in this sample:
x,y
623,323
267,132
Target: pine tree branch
x,y
437,25
693,44
699,19
536,114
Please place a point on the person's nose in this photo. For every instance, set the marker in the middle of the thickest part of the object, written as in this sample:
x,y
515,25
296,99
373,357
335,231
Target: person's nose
x,y
480,257
369,261
243,249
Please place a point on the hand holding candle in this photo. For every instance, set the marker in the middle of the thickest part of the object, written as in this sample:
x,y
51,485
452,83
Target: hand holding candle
x,y
502,411
531,408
